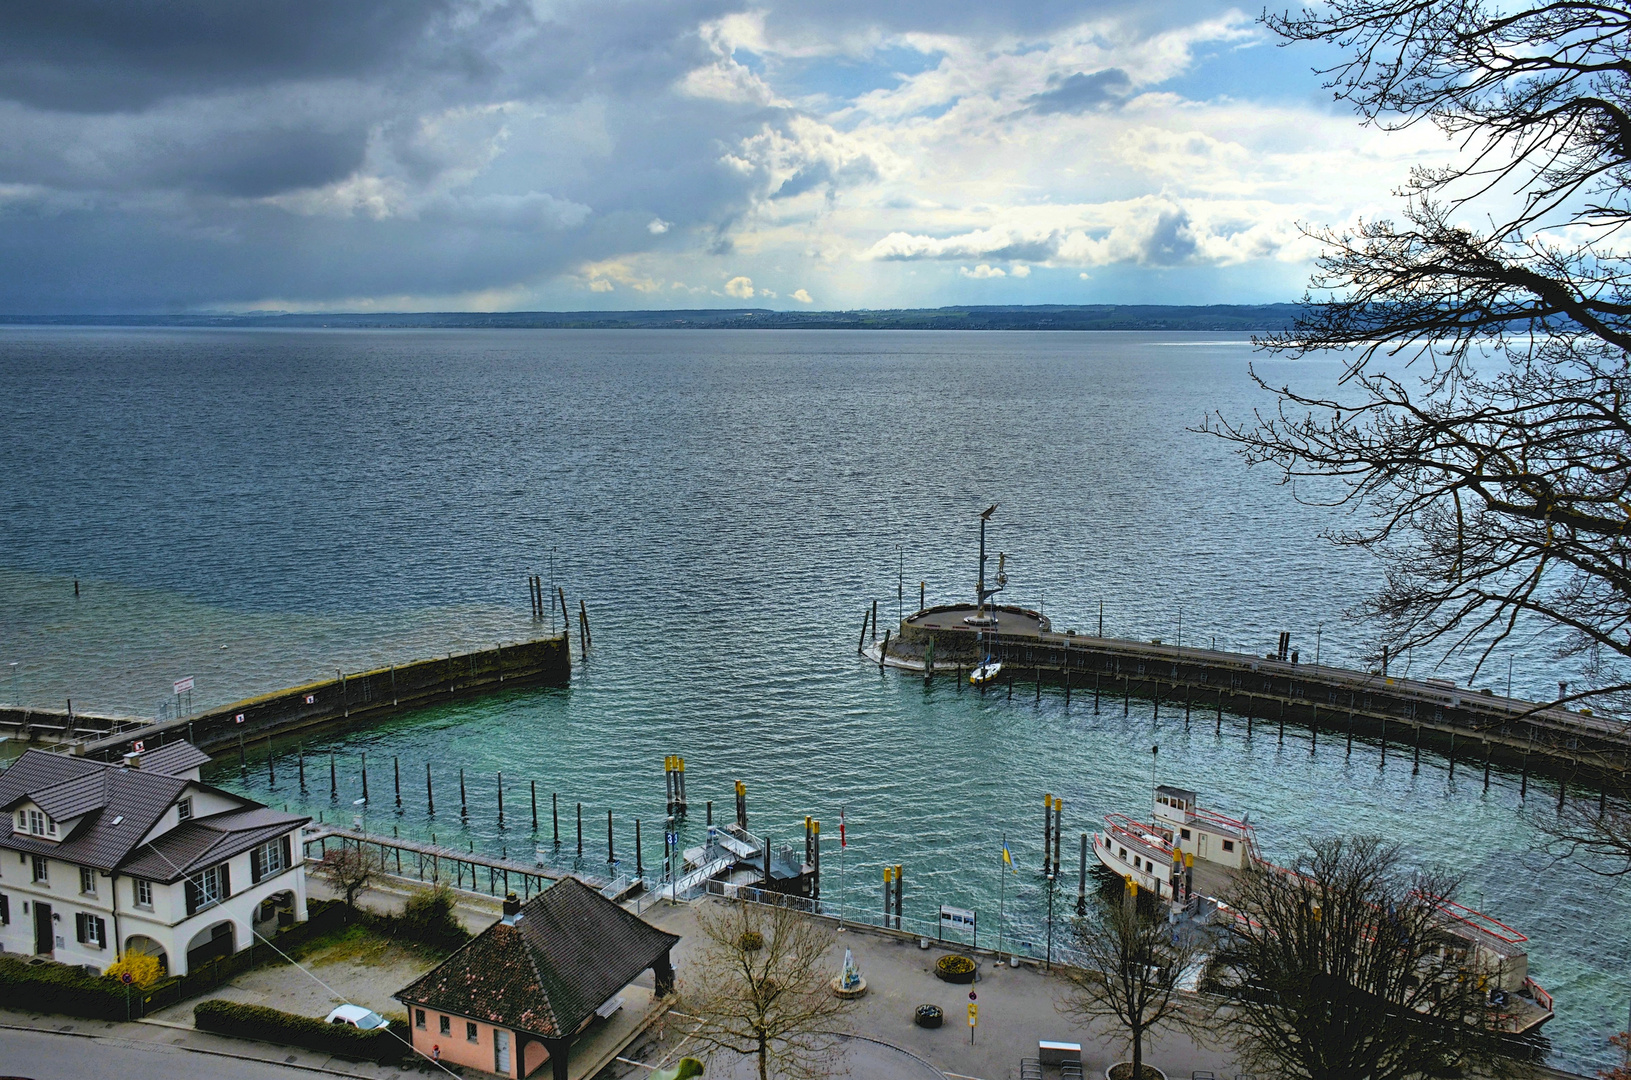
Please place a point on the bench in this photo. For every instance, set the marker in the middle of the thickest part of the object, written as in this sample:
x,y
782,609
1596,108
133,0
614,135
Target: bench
x,y
1057,1053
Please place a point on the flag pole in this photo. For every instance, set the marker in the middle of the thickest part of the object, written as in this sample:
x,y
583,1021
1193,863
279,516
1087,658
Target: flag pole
x,y
1002,893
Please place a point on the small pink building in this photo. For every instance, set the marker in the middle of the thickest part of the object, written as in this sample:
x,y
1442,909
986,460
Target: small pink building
x,y
517,994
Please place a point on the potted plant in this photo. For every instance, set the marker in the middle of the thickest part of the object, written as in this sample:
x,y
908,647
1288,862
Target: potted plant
x,y
955,968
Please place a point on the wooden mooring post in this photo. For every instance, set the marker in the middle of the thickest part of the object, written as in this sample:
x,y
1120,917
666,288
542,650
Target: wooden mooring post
x,y
430,795
534,784
302,765
464,807
580,830
333,778
555,816
396,777
501,800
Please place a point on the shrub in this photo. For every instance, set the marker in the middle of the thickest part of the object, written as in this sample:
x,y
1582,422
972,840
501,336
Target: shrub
x,y
288,1029
428,918
57,988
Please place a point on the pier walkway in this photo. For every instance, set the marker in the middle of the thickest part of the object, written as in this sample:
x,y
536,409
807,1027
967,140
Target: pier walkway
x,y
1324,699
461,869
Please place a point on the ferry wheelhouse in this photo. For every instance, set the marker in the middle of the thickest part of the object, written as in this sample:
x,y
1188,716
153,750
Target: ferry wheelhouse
x,y
1187,855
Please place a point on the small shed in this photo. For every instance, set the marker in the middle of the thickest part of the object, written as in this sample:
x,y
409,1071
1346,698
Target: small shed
x,y
518,993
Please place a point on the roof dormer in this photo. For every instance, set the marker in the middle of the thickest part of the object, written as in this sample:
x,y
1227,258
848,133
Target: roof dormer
x,y
32,821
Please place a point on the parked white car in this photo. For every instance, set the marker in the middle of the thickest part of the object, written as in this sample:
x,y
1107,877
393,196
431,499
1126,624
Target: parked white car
x,y
356,1016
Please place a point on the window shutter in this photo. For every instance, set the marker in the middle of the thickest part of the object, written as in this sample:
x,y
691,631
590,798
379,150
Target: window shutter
x,y
255,860
226,882
288,859
101,932
80,919
192,896
5,910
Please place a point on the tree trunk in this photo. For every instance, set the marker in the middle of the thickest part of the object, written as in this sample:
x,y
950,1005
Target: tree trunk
x,y
764,1060
1138,1052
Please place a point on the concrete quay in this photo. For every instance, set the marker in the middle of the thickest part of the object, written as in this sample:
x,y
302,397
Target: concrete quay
x,y
1205,683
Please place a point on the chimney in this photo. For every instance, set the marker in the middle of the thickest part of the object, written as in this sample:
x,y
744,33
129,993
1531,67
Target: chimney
x,y
512,909
132,760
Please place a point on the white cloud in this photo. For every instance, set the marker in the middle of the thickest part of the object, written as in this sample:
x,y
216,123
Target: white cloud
x,y
739,287
657,226
802,296
982,272
1020,270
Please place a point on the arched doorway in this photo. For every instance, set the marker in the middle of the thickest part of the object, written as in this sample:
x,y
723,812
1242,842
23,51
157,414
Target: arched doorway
x,y
146,946
274,913
210,943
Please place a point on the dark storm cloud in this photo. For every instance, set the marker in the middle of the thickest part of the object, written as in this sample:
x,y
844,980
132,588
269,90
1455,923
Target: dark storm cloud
x,y
117,55
1082,92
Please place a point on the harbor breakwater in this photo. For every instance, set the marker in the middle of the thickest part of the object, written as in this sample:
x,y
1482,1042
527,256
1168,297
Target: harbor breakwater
x,y
1479,725
344,699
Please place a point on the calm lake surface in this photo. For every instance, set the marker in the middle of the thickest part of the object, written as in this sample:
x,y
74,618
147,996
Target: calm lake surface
x,y
259,508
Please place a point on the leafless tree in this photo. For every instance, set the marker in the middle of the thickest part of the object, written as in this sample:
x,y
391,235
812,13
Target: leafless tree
x,y
760,990
1340,969
1481,429
1132,964
349,869
1595,837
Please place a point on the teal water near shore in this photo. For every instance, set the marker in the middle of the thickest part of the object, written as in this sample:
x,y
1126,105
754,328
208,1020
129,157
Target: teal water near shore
x,y
726,504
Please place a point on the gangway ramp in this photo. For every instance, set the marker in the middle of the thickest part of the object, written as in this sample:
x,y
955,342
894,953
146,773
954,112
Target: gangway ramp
x,y
696,878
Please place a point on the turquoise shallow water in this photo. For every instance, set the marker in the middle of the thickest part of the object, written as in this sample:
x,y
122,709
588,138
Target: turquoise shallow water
x,y
727,504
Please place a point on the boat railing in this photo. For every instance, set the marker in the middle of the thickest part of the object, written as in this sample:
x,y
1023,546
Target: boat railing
x,y
1538,993
1137,834
1477,920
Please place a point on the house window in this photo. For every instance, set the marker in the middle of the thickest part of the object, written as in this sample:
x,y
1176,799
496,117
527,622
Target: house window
x,y
36,822
184,809
90,930
207,888
419,1019
470,1032
268,859
42,869
1228,845
445,1025
144,893
87,881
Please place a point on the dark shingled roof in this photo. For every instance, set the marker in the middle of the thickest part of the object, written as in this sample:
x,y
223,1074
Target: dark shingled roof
x,y
116,806
571,950
193,845
173,760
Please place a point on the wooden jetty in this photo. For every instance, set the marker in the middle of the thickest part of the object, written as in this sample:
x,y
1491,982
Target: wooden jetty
x,y
345,699
1475,724
466,870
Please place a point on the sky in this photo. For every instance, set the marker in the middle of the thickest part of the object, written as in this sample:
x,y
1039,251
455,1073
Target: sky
x,y
413,155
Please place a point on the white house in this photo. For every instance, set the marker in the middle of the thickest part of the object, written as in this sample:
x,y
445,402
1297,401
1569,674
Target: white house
x,y
98,858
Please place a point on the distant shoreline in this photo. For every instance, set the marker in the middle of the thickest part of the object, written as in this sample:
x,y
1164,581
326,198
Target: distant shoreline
x,y
1217,317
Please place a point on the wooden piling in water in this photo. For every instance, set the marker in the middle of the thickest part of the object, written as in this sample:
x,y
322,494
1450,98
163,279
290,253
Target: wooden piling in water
x,y
860,646
501,800
302,761
583,621
464,807
580,830
883,653
555,816
396,779
611,855
333,778
271,776
874,620
430,796
534,784
365,779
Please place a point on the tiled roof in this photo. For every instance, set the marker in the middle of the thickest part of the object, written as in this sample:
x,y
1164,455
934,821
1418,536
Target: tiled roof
x,y
116,806
202,842
174,759
571,950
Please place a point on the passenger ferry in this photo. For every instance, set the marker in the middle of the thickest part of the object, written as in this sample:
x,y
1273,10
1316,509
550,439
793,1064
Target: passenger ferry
x,y
1188,855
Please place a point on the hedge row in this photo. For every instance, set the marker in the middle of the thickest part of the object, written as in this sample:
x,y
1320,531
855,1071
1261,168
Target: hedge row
x,y
287,1029
57,988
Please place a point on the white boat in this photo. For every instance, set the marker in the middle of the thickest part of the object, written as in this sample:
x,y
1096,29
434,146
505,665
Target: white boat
x,y
985,673
1188,855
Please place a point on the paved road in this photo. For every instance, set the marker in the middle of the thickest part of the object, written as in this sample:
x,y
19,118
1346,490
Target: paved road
x,y
43,1055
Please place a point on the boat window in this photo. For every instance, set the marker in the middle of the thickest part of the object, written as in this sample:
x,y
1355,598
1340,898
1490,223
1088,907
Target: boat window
x,y
1122,852
1184,833
1228,845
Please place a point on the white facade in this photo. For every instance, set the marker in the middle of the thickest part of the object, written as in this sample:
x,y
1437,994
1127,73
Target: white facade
x,y
126,922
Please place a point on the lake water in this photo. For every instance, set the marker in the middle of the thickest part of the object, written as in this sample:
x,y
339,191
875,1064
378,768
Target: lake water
x,y
258,508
